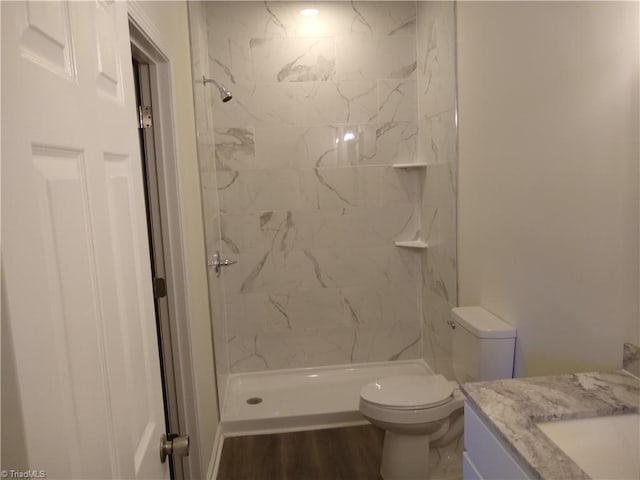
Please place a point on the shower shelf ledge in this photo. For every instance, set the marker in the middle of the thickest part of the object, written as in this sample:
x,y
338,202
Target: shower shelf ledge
x,y
410,165
418,244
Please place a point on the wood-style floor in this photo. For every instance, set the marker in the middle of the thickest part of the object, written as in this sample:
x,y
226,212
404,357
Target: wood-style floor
x,y
352,453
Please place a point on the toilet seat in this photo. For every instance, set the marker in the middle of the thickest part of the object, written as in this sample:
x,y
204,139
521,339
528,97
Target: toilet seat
x,y
419,408
408,392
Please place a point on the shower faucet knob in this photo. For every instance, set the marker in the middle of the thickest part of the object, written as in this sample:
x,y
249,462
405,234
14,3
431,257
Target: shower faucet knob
x,y
217,263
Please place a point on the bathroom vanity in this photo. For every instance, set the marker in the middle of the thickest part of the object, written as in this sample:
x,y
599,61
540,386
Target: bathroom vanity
x,y
506,421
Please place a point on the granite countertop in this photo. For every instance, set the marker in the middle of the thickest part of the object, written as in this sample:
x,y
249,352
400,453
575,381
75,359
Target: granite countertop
x,y
513,407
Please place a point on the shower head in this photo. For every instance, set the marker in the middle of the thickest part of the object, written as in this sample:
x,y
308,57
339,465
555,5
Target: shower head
x,y
225,94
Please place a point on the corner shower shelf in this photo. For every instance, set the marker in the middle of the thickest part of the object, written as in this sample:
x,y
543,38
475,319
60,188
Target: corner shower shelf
x,y
418,244
410,165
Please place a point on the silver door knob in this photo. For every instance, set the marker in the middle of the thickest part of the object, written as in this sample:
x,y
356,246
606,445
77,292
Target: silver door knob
x,y
217,263
173,445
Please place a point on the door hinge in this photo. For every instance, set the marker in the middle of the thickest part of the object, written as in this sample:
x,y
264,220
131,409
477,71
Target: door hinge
x,y
159,287
144,116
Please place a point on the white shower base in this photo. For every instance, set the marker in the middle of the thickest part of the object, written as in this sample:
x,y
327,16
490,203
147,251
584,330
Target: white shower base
x,y
304,399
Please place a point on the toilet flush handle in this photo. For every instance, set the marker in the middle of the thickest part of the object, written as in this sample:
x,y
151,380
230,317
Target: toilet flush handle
x,y
452,324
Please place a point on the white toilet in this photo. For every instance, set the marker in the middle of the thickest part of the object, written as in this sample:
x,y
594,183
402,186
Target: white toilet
x,y
419,410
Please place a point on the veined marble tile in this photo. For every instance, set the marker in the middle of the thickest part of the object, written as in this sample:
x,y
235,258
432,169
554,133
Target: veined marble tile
x,y
345,187
280,146
326,347
240,111
316,309
441,273
294,145
258,190
437,334
280,104
272,189
232,192
262,105
202,110
206,157
397,100
244,276
358,227
341,102
282,272
431,192
373,144
246,354
438,138
440,269
321,146
396,142
382,306
436,58
277,231
401,265
240,310
430,224
397,186
342,18
283,19
333,188
234,148
280,350
371,58
292,59
235,20
382,18
344,267
229,60
397,342
631,359
355,144
394,222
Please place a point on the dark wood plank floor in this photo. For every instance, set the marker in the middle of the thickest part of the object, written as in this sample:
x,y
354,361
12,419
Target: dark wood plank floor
x,y
352,453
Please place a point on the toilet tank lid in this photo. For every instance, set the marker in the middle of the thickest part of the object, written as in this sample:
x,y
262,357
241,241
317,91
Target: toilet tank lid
x,y
482,323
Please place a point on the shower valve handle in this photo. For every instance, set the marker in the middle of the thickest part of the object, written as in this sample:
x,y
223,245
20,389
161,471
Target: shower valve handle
x,y
217,263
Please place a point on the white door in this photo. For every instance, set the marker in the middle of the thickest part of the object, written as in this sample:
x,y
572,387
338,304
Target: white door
x,y
75,254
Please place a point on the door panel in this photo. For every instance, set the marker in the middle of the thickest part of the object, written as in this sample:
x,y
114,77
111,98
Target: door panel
x,y
75,252
45,36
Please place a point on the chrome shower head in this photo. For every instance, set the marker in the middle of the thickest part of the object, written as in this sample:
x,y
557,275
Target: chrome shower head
x,y
225,94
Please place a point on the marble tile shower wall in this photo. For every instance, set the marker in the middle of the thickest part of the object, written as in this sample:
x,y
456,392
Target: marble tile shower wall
x,y
438,147
309,204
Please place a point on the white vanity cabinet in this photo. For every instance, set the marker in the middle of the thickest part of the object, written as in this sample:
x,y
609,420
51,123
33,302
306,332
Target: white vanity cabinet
x,y
485,456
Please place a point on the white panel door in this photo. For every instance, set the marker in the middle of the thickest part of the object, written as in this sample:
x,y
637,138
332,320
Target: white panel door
x,y
75,254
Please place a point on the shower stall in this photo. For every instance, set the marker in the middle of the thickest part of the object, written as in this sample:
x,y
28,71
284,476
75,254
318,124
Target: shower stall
x,y
327,152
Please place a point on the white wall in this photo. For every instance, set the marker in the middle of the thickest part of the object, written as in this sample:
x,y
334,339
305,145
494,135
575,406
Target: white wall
x,y
171,20
548,197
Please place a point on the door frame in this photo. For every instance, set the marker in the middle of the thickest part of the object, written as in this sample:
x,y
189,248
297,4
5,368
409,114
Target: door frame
x,y
147,41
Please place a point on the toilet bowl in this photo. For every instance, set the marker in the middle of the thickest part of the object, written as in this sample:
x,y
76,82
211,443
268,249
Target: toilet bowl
x,y
419,411
416,411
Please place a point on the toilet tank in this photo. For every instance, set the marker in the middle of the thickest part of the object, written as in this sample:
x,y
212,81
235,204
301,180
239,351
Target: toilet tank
x,y
483,345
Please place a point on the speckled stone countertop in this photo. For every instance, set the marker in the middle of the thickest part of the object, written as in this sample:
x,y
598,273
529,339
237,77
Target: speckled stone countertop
x,y
513,407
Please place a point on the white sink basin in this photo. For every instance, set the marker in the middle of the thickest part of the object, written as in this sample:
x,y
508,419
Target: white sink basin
x,y
604,447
